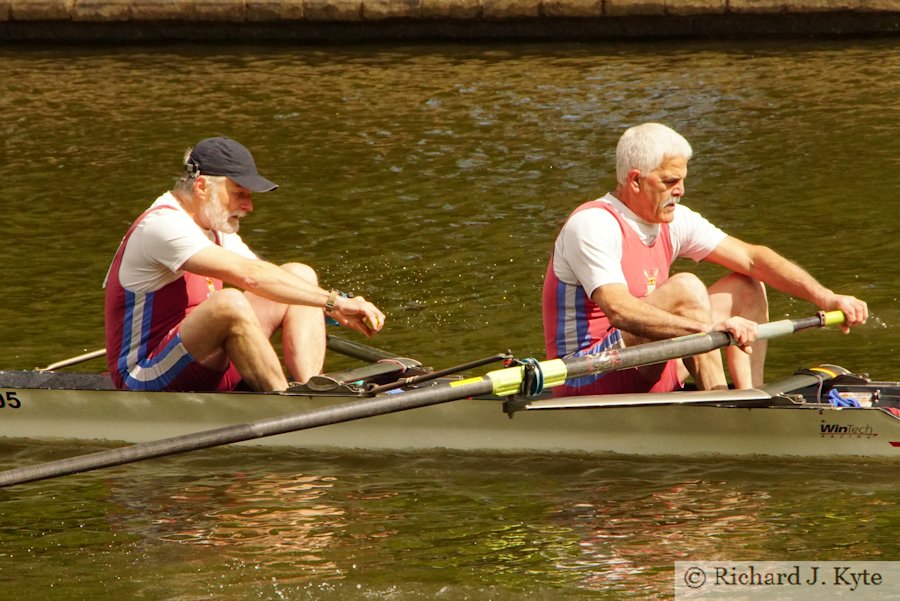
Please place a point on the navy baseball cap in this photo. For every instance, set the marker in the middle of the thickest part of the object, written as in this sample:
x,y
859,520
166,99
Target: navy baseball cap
x,y
224,156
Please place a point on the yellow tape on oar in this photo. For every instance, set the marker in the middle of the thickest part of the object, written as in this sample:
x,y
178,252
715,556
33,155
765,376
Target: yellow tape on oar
x,y
508,381
467,381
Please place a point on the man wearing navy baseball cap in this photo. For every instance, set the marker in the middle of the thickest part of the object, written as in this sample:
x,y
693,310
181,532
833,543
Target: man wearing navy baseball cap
x,y
170,324
224,156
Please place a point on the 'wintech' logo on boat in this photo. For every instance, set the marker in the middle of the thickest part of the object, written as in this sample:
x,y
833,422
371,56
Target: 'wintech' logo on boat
x,y
841,431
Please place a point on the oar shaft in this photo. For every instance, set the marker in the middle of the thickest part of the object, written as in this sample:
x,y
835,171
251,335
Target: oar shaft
x,y
74,360
687,346
345,412
357,350
349,348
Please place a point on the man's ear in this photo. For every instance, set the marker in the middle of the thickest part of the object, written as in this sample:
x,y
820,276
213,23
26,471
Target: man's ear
x,y
634,179
201,185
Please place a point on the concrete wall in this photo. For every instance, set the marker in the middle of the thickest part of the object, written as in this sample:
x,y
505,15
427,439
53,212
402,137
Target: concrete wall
x,y
355,20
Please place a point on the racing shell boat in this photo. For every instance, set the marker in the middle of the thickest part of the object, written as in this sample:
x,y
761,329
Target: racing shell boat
x,y
806,414
825,411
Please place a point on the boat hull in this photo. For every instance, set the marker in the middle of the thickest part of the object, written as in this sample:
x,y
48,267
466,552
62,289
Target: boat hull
x,y
468,425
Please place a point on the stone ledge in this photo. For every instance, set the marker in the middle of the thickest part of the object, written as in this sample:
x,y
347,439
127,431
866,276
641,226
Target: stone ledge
x,y
450,9
330,21
256,11
41,10
810,6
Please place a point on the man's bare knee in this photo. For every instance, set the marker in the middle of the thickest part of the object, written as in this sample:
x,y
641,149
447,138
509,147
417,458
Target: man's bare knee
x,y
751,290
737,294
230,306
302,271
688,284
688,295
740,283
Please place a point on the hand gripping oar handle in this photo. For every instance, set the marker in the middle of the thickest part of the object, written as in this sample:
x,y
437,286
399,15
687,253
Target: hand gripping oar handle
x,y
497,382
557,371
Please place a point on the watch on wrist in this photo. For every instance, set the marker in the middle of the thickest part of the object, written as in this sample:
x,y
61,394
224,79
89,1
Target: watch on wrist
x,y
332,297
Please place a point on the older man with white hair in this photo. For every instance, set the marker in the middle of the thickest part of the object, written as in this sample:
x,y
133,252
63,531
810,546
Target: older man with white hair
x,y
608,282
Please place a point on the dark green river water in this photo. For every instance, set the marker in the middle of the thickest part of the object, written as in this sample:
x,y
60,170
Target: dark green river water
x,y
433,179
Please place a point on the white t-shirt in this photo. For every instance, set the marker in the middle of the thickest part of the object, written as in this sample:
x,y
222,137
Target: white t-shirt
x,y
163,241
588,250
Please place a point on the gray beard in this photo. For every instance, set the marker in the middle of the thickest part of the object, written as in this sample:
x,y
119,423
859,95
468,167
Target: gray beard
x,y
217,216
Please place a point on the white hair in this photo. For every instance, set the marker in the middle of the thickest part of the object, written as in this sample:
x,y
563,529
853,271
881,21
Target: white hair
x,y
185,184
643,147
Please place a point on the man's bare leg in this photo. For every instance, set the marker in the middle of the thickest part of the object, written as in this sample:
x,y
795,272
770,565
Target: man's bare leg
x,y
302,328
686,295
745,297
225,327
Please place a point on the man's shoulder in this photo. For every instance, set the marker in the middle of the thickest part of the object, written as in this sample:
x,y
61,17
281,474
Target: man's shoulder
x,y
160,229
685,217
599,209
166,212
683,211
590,224
596,216
165,230
693,234
166,200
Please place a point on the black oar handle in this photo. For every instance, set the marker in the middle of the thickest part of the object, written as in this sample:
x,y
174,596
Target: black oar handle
x,y
357,350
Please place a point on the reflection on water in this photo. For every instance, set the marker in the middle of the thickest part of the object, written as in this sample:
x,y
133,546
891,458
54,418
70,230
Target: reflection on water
x,y
623,542
433,179
381,525
254,514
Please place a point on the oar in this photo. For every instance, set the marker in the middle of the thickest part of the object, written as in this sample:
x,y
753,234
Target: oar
x,y
74,360
502,382
356,350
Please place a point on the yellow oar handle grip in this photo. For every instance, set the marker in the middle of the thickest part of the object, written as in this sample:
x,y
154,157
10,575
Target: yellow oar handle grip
x,y
833,318
784,327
